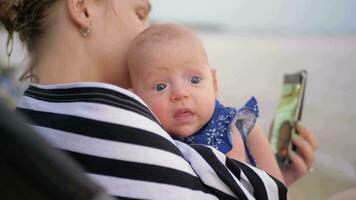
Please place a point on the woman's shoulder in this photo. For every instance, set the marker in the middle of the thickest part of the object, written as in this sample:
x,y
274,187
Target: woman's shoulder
x,y
89,92
89,101
76,87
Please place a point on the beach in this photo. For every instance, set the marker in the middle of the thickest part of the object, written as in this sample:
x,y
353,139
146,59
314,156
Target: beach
x,y
253,65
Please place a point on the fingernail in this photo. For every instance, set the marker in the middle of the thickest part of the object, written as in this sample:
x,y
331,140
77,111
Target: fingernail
x,y
300,124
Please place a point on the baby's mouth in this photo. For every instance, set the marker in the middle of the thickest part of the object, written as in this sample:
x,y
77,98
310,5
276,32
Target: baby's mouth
x,y
183,115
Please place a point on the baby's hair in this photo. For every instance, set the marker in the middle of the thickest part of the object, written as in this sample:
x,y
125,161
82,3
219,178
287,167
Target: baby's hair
x,y
27,18
161,33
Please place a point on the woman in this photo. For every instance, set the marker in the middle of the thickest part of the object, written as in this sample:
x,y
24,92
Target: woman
x,y
78,50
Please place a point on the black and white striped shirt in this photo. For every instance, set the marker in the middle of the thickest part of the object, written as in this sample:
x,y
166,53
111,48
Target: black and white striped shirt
x,y
116,138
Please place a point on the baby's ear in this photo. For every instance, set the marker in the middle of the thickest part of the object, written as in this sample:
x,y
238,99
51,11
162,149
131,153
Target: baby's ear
x,y
215,81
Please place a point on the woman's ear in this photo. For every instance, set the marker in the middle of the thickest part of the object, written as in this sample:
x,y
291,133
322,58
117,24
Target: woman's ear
x,y
79,13
215,81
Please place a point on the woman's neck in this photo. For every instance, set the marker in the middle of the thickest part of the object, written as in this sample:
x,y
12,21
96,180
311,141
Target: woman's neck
x,y
63,58
58,66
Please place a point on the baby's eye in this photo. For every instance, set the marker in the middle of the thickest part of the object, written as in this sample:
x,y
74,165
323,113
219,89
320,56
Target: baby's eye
x,y
195,80
160,87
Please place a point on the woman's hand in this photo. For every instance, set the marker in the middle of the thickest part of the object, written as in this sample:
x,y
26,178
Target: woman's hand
x,y
262,152
303,159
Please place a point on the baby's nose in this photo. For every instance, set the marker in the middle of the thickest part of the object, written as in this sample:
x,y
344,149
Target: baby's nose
x,y
179,94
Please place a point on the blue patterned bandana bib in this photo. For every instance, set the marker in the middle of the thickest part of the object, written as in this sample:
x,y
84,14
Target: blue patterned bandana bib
x,y
217,132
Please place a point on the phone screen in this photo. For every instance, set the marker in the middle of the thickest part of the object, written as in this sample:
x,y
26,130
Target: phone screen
x,y
288,113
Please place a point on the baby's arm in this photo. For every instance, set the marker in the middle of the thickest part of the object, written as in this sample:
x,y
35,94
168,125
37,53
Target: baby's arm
x,y
238,149
262,152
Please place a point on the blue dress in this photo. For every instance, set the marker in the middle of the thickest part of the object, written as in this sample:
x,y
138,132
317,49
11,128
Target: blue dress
x,y
217,132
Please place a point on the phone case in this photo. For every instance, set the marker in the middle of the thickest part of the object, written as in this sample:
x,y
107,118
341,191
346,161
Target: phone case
x,y
289,112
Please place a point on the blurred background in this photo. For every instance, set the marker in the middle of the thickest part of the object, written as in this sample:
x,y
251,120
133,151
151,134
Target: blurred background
x,y
252,44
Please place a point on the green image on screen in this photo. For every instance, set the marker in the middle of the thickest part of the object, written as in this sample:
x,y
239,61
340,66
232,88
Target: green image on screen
x,y
284,121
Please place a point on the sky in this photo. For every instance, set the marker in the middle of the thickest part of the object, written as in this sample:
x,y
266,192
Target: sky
x,y
289,16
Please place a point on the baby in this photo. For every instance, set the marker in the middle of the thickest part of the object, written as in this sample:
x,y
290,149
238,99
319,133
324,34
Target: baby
x,y
169,70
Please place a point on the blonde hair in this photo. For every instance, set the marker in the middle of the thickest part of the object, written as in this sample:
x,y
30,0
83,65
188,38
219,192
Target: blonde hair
x,y
161,33
27,18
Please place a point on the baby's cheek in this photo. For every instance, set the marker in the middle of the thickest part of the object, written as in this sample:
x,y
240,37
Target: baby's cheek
x,y
159,110
155,107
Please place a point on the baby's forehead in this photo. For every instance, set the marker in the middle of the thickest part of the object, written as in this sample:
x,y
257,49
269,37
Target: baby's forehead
x,y
164,34
165,43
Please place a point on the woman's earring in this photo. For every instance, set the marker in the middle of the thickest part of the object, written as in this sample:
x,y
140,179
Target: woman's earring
x,y
84,32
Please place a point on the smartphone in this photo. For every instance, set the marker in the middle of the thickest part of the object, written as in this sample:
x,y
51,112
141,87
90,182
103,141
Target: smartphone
x,y
289,112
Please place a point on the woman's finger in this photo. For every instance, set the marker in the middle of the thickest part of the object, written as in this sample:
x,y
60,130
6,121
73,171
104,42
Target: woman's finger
x,y
298,164
305,150
307,135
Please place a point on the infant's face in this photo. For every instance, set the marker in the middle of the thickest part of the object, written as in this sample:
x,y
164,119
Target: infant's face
x,y
177,84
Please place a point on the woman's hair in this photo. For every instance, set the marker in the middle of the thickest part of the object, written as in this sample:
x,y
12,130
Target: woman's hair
x,y
27,18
